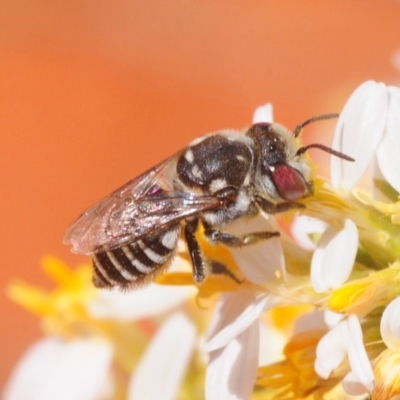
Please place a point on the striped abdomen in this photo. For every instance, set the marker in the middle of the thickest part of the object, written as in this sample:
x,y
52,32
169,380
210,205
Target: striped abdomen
x,y
136,263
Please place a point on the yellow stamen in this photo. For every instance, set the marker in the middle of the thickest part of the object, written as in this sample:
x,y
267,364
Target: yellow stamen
x,y
367,293
296,373
387,375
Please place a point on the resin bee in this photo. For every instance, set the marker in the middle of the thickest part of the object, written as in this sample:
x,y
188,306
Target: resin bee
x,y
132,234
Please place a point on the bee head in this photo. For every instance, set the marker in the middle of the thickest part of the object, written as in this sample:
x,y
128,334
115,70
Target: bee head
x,y
283,170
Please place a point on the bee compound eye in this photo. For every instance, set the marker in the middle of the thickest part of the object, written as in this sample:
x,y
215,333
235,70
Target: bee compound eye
x,y
289,183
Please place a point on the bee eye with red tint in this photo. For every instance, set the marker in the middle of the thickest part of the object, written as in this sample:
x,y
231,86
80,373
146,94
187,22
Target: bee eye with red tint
x,y
289,183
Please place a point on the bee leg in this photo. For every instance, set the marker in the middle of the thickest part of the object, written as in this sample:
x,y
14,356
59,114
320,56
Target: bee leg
x,y
199,271
272,208
216,236
218,268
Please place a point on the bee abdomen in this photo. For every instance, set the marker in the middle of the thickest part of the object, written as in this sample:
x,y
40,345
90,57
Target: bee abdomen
x,y
136,263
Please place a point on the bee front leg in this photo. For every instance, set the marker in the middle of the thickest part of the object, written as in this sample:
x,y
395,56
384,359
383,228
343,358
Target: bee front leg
x,y
216,236
198,263
272,208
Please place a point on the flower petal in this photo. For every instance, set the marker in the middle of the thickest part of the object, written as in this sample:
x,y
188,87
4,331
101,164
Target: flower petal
x,y
137,304
272,343
53,369
263,114
358,358
312,320
303,226
332,318
388,150
260,262
232,370
332,349
334,257
390,325
379,192
234,314
358,132
162,367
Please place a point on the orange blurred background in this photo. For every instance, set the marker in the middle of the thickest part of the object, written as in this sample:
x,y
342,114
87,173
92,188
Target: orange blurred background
x,y
93,93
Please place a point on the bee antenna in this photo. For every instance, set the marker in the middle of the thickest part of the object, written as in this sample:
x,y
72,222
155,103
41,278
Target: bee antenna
x,y
300,127
302,150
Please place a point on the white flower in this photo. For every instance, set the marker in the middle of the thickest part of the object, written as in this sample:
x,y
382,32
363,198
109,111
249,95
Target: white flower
x,y
368,130
233,345
232,369
55,369
83,368
130,306
163,366
345,339
333,259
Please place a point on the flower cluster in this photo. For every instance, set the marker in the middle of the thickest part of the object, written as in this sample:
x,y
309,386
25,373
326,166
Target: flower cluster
x,y
309,315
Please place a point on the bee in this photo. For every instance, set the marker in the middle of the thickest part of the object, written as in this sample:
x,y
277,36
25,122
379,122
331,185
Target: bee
x,y
132,234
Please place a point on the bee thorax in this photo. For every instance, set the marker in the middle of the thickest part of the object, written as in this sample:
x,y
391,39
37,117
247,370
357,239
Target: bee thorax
x,y
215,163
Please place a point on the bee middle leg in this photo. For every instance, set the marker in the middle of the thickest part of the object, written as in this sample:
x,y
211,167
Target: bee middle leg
x,y
216,236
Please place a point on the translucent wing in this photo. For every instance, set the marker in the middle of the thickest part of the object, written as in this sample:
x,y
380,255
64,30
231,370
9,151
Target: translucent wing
x,y
141,207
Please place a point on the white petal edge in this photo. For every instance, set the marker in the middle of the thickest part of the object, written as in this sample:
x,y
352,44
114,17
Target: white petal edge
x,y
352,386
332,349
358,132
80,367
333,259
164,363
234,314
232,370
134,305
388,150
390,325
263,114
358,358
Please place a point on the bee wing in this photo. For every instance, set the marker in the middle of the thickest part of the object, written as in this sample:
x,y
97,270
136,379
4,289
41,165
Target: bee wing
x,y
145,205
